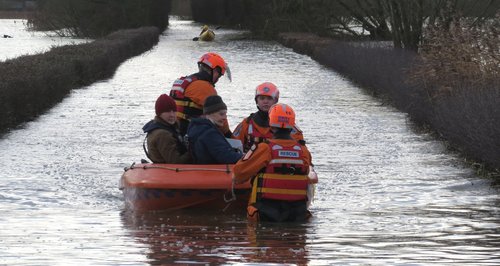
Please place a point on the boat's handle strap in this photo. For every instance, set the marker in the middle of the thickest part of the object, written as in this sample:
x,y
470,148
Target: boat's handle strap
x,y
144,147
233,197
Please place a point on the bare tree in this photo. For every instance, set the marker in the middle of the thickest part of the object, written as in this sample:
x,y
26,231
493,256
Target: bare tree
x,y
403,21
95,18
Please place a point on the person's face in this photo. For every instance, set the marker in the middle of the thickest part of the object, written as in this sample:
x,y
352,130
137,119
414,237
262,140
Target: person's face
x,y
169,117
265,102
218,117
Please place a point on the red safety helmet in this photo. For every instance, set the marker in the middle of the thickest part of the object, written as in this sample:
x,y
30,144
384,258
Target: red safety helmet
x,y
282,116
268,89
213,60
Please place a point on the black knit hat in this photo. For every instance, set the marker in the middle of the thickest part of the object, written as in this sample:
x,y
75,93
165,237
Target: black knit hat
x,y
213,104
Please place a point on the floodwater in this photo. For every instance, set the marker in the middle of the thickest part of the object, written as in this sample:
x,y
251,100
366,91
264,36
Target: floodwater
x,y
23,42
387,194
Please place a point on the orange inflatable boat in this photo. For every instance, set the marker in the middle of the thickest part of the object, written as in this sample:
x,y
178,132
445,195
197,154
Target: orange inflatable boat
x,y
180,186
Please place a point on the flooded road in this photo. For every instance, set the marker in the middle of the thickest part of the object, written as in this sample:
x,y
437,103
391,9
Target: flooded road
x,y
387,194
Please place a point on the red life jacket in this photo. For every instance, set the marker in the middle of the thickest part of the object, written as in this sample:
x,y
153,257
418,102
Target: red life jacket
x,y
254,136
186,108
285,177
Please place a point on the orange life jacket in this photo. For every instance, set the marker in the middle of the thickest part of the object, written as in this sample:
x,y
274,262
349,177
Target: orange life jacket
x,y
284,178
255,136
186,108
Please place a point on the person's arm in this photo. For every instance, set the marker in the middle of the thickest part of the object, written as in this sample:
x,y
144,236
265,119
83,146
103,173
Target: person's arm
x,y
167,146
199,90
240,131
297,135
307,155
219,148
311,173
185,158
253,161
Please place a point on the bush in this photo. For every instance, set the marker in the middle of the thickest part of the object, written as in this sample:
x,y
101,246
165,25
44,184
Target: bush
x,y
34,83
469,118
383,71
461,68
463,109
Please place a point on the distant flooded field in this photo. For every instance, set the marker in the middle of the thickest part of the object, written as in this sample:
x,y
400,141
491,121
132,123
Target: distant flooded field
x,y
24,42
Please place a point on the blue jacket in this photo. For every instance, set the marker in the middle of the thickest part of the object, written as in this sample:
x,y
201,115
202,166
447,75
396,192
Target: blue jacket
x,y
208,145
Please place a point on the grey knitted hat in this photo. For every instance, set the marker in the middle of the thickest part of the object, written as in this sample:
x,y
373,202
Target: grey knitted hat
x,y
213,104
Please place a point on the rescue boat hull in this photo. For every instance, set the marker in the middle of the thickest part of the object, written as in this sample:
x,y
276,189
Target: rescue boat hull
x,y
172,187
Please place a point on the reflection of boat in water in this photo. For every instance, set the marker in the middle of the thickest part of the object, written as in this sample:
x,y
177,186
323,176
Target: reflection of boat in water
x,y
179,186
199,237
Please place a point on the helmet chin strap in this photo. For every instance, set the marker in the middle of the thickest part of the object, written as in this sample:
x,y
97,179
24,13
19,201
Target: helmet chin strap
x,y
212,71
213,77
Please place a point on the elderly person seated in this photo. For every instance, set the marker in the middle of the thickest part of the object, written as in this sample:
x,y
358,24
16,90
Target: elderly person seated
x,y
207,143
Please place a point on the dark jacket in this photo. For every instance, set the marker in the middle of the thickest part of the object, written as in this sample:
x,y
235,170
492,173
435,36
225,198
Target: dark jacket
x,y
164,143
208,145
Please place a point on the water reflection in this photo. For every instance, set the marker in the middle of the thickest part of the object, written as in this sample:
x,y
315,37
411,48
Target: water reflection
x,y
197,237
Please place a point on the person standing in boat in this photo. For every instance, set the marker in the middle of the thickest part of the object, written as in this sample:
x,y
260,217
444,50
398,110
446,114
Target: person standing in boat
x,y
278,171
207,143
190,92
255,128
164,142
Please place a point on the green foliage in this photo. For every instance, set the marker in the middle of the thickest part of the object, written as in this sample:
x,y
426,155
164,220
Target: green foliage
x,y
95,18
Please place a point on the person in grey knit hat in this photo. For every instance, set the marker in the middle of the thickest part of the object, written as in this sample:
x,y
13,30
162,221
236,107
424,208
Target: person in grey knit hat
x,y
207,143
213,104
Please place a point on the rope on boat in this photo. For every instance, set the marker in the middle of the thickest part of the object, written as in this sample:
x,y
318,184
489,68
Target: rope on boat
x,y
227,170
128,168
